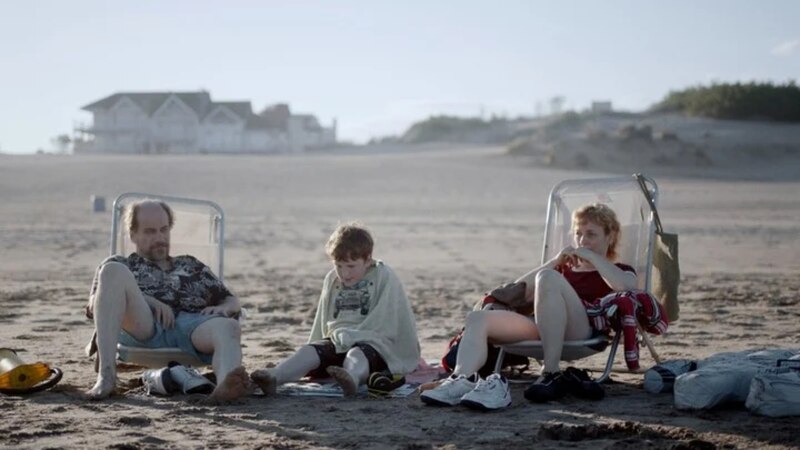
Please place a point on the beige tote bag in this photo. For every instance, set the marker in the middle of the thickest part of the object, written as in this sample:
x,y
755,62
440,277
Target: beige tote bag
x,y
666,270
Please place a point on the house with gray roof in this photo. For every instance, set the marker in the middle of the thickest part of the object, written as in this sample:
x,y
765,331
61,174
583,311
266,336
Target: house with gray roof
x,y
190,122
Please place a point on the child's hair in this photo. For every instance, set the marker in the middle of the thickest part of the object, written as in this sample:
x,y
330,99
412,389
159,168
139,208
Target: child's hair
x,y
349,242
604,216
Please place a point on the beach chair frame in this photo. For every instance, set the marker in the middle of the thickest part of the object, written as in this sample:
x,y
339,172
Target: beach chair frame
x,y
199,230
624,195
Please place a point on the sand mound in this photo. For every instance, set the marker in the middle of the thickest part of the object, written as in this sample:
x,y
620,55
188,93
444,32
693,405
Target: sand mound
x,y
663,145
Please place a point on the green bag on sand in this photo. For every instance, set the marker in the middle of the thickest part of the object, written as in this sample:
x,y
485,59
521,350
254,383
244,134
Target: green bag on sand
x,y
666,269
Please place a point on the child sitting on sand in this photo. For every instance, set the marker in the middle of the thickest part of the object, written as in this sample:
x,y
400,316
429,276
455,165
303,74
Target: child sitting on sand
x,y
363,323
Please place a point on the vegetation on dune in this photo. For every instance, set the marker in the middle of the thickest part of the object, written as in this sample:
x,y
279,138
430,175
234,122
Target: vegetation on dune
x,y
449,128
736,101
743,101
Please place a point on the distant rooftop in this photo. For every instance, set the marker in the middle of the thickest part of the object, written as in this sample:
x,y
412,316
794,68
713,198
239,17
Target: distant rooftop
x,y
199,101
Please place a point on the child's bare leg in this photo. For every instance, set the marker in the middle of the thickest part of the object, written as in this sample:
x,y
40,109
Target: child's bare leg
x,y
293,368
354,371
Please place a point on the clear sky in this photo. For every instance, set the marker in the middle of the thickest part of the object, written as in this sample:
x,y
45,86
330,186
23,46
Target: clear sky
x,y
378,66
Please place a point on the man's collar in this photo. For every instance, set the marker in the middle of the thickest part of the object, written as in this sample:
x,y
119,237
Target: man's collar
x,y
139,257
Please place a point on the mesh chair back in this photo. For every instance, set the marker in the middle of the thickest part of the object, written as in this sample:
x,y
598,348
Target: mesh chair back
x,y
625,197
198,229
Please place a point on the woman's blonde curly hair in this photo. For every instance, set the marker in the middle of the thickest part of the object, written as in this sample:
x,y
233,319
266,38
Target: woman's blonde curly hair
x,y
600,214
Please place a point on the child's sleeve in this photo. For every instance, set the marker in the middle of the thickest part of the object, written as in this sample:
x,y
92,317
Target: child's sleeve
x,y
319,328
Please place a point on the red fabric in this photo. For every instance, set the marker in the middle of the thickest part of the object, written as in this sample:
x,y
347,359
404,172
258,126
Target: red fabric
x,y
621,311
590,286
455,340
487,300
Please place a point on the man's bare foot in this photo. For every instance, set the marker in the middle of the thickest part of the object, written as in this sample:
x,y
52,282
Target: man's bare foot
x,y
234,386
102,389
266,381
344,379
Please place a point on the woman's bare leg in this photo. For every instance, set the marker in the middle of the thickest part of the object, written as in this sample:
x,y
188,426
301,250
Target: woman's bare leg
x,y
560,315
495,326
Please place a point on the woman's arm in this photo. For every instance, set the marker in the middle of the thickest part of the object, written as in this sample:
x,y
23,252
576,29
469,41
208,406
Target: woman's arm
x,y
616,278
565,256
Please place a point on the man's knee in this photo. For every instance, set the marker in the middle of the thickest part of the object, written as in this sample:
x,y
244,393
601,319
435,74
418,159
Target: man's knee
x,y
227,328
114,273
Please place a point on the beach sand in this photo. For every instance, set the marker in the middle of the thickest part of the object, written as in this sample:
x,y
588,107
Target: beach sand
x,y
452,222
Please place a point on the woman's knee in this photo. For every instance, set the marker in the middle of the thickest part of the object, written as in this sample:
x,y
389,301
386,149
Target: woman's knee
x,y
547,278
548,287
477,319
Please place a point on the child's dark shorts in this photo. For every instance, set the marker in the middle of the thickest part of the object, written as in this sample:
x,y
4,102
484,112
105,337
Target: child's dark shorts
x,y
328,357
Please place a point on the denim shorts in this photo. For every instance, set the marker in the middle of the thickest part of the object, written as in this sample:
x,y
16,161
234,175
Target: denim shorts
x,y
180,335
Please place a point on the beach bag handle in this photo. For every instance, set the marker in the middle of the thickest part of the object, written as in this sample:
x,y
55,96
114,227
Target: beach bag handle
x,y
650,201
666,272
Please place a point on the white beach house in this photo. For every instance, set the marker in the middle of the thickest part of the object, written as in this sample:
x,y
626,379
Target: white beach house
x,y
190,122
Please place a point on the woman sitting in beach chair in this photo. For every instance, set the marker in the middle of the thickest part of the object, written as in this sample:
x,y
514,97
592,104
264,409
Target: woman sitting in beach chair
x,y
561,291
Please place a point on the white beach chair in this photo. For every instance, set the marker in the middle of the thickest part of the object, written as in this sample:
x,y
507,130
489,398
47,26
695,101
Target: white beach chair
x,y
626,198
198,231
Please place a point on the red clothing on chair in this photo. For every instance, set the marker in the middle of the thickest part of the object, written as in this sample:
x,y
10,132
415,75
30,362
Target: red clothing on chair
x,y
619,311
622,311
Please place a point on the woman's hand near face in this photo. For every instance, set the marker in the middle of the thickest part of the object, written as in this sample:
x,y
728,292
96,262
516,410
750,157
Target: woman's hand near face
x,y
573,257
585,254
567,257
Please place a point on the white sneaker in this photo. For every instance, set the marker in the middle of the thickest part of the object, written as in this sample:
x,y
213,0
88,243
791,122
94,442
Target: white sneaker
x,y
159,382
451,390
489,394
189,379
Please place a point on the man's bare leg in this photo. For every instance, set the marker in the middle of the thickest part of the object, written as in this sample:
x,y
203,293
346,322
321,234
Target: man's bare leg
x,y
118,304
292,368
222,336
235,385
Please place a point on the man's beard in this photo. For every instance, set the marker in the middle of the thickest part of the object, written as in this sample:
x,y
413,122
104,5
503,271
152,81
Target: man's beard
x,y
158,252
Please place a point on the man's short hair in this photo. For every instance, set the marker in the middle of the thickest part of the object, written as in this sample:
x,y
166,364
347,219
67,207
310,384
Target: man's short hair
x,y
132,213
349,242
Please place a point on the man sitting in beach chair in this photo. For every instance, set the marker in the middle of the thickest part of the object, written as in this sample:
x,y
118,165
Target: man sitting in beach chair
x,y
150,299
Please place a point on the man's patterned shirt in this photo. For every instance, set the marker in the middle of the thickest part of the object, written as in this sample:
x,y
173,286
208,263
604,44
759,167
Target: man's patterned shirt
x,y
189,286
